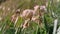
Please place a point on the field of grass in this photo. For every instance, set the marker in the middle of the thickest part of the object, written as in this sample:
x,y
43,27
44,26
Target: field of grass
x,y
29,16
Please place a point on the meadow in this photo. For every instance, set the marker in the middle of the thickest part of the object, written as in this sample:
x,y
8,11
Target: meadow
x,y
29,16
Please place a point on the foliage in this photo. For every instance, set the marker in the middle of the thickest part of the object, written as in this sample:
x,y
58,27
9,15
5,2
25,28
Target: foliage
x,y
7,26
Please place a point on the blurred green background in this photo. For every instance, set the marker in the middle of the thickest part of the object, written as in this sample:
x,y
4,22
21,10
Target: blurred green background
x,y
9,7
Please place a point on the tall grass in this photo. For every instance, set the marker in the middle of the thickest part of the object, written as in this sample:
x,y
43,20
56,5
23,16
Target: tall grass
x,y
43,24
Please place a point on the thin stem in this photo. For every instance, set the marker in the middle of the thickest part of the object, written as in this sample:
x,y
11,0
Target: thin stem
x,y
55,26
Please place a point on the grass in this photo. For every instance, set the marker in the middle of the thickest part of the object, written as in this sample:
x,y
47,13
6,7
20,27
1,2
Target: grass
x,y
7,26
